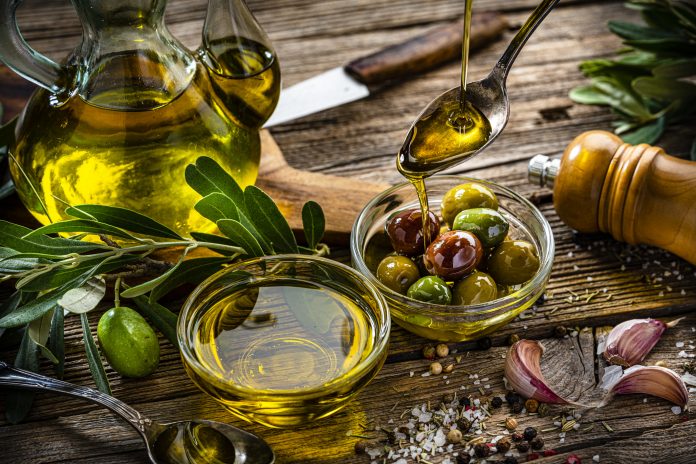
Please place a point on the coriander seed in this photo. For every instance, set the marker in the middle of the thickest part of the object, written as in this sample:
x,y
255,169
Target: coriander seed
x,y
454,436
441,350
530,433
429,352
511,423
448,368
503,445
436,368
537,443
531,405
543,410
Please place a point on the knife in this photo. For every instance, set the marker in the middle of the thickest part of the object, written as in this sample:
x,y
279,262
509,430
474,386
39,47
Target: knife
x,y
360,77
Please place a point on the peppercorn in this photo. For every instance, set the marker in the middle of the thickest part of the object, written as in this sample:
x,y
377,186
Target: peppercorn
x,y
448,398
573,459
463,424
517,437
448,368
503,445
531,405
429,352
517,407
405,430
529,433
560,331
512,339
464,402
441,350
543,410
436,368
391,437
511,423
463,458
482,450
537,443
510,396
362,445
496,402
523,446
510,460
484,343
454,436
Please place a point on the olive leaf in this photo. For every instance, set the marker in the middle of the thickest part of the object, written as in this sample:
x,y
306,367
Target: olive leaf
x,y
56,340
9,305
9,264
93,358
18,402
32,309
647,133
80,225
123,218
39,330
664,89
192,271
13,236
313,223
207,177
266,216
160,316
85,298
216,206
210,238
236,232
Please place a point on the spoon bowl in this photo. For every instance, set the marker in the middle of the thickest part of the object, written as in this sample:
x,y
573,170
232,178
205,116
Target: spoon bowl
x,y
488,95
183,442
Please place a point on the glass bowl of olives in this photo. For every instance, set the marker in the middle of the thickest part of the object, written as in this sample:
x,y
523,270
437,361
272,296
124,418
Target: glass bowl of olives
x,y
485,256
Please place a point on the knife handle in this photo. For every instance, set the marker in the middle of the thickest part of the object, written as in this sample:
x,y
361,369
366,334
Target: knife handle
x,y
425,52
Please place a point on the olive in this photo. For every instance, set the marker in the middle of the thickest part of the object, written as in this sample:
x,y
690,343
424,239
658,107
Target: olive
x,y
398,273
513,262
487,224
467,196
453,254
405,231
477,287
430,289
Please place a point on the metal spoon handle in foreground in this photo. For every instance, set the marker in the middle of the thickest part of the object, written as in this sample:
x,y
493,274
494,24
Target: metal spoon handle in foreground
x,y
502,68
18,378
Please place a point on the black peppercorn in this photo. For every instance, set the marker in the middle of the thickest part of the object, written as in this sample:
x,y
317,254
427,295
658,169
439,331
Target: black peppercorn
x,y
560,331
510,460
484,343
517,437
496,402
543,410
529,433
391,438
509,396
517,406
463,458
503,445
405,430
537,443
463,424
523,446
464,402
482,450
362,445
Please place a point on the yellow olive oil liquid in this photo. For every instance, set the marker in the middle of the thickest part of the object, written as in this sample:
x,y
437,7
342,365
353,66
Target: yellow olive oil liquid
x,y
193,443
283,336
127,139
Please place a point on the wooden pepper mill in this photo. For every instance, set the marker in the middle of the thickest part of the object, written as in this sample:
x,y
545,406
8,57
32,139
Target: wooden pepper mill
x,y
638,194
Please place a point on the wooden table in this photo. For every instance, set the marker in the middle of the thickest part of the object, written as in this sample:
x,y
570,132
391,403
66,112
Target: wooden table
x,y
595,281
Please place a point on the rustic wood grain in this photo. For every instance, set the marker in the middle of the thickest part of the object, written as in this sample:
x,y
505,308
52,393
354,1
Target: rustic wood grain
x,y
595,281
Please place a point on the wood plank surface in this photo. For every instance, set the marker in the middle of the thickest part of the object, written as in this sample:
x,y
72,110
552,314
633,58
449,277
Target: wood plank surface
x,y
595,281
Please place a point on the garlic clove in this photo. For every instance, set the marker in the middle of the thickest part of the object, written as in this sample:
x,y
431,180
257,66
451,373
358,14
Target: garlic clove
x,y
630,342
523,372
651,380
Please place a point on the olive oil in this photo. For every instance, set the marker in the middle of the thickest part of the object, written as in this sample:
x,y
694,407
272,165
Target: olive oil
x,y
193,443
127,137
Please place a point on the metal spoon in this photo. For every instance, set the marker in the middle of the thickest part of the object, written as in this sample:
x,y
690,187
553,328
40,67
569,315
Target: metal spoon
x,y
184,442
489,95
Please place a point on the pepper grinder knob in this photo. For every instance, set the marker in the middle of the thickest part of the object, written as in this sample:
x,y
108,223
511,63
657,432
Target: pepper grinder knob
x,y
638,194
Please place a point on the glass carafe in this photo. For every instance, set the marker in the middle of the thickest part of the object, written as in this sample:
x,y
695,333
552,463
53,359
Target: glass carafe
x,y
118,121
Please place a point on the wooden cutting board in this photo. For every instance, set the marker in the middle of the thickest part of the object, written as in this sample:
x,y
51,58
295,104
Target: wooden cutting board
x,y
342,198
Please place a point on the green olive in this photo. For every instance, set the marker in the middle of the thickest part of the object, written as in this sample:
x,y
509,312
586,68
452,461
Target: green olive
x,y
128,342
467,196
487,224
431,289
513,262
477,287
398,273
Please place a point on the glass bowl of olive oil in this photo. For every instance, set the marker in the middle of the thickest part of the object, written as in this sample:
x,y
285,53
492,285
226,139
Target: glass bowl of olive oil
x,y
284,340
369,245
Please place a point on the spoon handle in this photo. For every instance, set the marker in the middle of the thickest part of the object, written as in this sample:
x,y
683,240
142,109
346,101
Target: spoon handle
x,y
18,378
502,68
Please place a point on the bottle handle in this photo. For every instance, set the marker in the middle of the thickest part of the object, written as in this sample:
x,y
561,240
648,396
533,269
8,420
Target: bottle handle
x,y
16,53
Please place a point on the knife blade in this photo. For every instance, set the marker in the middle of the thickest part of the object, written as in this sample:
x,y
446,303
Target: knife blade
x,y
361,77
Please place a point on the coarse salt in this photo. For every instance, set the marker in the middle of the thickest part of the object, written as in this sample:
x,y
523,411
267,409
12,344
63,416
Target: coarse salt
x,y
676,410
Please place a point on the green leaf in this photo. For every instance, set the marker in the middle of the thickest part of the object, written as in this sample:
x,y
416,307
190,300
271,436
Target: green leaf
x,y
18,402
664,89
192,271
249,225
145,287
664,46
211,238
588,95
85,298
80,225
33,309
621,98
39,330
11,265
313,223
12,236
216,206
56,341
647,133
161,317
210,175
93,359
676,69
9,305
123,218
240,236
634,31
268,219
